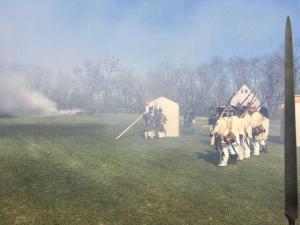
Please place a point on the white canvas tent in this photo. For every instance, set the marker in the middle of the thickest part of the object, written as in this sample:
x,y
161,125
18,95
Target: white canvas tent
x,y
242,94
171,111
297,114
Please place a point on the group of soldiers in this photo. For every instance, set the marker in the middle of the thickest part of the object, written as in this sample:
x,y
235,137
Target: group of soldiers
x,y
239,132
155,121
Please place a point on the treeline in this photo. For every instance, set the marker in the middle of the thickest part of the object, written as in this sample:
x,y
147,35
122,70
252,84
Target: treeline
x,y
106,85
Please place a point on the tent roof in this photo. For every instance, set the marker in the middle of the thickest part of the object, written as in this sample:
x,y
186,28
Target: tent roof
x,y
245,93
164,99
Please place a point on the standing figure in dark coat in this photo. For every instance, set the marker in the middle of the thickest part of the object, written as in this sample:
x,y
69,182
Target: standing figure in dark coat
x,y
149,124
161,124
189,119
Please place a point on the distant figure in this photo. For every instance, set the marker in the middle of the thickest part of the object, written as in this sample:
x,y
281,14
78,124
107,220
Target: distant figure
x,y
156,121
149,124
162,120
189,120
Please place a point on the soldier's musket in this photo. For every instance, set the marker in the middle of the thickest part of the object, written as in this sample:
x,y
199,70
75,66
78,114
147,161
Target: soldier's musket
x,y
291,190
243,145
248,144
228,103
253,99
234,149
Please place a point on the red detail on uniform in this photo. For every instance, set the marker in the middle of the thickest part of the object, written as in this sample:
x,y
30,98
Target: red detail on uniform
x,y
146,102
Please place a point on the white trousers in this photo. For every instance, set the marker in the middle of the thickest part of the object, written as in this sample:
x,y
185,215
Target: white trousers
x,y
237,145
240,151
161,134
257,145
149,134
228,149
247,150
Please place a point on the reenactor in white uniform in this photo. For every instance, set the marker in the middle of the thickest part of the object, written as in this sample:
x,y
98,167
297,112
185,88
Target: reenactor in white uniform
x,y
255,120
260,131
236,130
219,131
246,131
225,129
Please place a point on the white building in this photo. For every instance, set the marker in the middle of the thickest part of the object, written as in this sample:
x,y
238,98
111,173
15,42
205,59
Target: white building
x,y
244,93
297,115
171,111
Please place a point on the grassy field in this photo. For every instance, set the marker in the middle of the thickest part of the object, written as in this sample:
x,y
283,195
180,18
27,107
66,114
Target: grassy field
x,y
69,170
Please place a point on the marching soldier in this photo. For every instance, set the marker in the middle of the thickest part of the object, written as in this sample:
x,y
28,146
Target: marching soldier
x,y
245,130
228,129
255,120
233,138
248,129
261,131
219,131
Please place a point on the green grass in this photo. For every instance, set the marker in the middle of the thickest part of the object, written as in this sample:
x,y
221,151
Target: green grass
x,y
69,170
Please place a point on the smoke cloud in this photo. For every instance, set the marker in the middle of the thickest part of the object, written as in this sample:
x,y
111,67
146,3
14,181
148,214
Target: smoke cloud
x,y
17,99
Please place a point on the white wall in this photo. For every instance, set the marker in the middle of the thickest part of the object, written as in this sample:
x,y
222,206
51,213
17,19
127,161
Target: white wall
x,y
171,110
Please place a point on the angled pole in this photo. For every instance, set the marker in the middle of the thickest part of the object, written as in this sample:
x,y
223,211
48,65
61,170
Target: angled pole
x,y
131,125
291,192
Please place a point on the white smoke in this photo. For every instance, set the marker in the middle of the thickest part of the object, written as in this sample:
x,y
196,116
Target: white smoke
x,y
17,99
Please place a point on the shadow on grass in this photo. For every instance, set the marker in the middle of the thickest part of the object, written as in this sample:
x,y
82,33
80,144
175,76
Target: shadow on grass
x,y
59,193
50,130
208,156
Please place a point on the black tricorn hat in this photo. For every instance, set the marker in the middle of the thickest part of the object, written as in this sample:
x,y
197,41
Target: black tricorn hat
x,y
240,110
264,111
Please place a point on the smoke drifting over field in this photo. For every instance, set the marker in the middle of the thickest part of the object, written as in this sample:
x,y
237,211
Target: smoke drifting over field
x,y
17,99
109,56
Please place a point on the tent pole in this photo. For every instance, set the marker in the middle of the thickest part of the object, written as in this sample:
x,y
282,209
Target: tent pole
x,y
131,125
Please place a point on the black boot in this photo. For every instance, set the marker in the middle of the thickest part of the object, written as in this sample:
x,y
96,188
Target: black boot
x,y
233,159
264,150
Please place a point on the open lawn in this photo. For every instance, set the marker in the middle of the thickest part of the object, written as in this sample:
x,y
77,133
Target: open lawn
x,y
69,170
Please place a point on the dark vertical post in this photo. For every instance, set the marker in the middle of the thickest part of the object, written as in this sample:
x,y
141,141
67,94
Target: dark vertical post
x,y
291,193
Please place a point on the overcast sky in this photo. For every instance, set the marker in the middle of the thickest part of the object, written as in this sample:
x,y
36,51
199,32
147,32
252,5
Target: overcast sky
x,y
63,34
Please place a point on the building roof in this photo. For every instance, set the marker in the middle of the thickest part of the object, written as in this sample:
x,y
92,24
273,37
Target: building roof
x,y
245,95
163,99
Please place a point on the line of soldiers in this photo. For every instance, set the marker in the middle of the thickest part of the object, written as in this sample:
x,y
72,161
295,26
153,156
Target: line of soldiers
x,y
238,131
154,122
